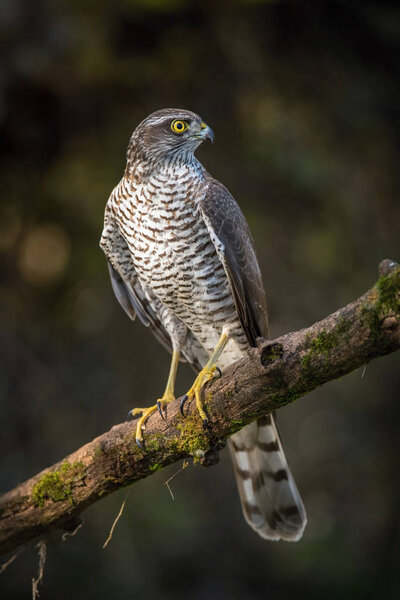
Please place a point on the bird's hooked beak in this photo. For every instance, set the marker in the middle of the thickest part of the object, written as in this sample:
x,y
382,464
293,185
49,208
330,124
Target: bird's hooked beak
x,y
206,132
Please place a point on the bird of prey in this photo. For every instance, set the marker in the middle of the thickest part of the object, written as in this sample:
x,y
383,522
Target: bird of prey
x,y
181,259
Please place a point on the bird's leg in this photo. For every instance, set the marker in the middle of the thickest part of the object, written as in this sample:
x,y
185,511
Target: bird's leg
x,y
160,405
206,374
169,394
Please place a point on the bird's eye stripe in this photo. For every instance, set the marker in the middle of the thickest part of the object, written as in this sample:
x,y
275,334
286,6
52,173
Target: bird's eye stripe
x,y
178,126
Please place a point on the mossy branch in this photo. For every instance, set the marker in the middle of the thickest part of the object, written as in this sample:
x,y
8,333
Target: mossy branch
x,y
272,375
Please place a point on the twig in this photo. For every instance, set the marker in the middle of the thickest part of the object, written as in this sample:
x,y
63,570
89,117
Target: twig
x,y
5,565
121,510
184,465
67,534
42,561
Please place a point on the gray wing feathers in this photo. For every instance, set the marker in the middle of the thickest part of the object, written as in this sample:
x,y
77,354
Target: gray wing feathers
x,y
133,300
122,294
230,233
126,284
270,500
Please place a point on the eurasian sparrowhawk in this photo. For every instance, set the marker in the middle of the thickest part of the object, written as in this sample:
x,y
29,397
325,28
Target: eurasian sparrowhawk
x,y
181,259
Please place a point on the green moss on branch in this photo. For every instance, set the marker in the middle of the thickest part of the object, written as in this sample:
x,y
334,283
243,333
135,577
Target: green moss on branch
x,y
193,439
57,486
386,303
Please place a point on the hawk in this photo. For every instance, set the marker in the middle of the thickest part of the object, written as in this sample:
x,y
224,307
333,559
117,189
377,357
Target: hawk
x,y
181,259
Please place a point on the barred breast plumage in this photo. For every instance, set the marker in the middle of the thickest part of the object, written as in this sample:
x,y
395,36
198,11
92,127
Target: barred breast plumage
x,y
172,253
181,258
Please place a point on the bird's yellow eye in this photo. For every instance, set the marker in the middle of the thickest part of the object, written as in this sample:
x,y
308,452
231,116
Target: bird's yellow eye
x,y
179,126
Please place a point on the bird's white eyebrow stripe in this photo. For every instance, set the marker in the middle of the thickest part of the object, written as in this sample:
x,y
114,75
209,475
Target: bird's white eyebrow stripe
x,y
158,120
166,118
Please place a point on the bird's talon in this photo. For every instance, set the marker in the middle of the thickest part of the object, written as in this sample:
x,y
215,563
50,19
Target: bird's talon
x,y
219,372
139,443
206,425
182,404
160,409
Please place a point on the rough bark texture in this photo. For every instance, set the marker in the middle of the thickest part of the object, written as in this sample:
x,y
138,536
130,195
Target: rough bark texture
x,y
274,374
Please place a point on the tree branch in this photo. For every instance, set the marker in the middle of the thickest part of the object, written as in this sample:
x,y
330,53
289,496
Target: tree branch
x,y
272,375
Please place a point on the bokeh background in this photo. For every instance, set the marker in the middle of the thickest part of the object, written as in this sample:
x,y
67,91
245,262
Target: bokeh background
x,y
304,100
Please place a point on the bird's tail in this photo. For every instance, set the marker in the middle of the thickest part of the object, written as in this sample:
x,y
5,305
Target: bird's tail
x,y
271,502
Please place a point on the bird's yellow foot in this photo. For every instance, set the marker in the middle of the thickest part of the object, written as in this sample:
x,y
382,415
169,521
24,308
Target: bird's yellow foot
x,y
145,413
206,374
162,403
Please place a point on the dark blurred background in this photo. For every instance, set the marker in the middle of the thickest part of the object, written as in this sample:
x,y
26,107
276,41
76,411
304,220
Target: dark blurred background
x,y
304,100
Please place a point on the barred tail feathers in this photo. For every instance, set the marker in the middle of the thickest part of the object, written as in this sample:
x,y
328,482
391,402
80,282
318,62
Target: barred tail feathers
x,y
271,502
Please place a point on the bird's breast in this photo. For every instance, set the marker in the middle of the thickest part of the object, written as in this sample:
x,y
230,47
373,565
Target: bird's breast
x,y
172,250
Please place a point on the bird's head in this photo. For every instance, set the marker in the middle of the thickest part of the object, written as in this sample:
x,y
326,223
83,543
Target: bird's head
x,y
170,133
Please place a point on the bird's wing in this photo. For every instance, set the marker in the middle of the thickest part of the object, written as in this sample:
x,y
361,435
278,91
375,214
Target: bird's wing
x,y
126,284
232,239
